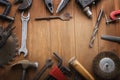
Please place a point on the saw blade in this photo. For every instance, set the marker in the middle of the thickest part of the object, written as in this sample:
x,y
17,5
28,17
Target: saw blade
x,y
9,50
106,66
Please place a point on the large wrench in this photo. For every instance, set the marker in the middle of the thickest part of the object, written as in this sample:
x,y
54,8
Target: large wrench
x,y
23,48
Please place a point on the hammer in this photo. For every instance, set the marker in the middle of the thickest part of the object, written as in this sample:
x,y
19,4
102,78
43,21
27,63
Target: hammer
x,y
25,64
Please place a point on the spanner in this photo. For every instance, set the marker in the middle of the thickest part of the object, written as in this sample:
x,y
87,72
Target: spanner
x,y
23,48
48,64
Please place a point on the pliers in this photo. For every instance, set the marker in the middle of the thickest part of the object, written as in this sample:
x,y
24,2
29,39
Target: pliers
x,y
62,5
49,5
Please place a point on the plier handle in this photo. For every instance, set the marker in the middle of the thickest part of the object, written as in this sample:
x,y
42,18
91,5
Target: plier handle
x,y
113,14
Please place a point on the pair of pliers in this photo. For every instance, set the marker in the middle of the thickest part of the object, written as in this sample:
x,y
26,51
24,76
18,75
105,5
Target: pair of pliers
x,y
49,5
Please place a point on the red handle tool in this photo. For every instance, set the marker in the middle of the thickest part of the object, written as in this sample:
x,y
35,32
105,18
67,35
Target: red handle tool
x,y
114,14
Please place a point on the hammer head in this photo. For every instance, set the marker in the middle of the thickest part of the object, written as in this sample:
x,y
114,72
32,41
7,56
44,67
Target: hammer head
x,y
26,64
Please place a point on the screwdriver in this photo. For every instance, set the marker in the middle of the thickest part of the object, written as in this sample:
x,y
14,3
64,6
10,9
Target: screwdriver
x,y
96,28
111,38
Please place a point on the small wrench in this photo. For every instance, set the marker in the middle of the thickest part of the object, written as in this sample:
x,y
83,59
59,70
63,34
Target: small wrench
x,y
24,34
48,64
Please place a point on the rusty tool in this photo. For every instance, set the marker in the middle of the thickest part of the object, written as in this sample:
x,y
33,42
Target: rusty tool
x,y
4,15
25,64
106,66
111,38
113,17
108,21
96,28
25,4
63,17
48,64
8,45
74,63
85,5
58,72
5,34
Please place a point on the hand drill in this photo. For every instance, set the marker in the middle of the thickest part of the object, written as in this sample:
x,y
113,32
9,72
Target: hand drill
x,y
85,4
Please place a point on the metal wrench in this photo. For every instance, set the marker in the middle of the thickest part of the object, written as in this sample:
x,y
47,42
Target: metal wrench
x,y
23,48
48,64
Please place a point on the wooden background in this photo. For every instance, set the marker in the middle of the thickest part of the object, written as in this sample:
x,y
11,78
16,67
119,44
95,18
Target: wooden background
x,y
67,38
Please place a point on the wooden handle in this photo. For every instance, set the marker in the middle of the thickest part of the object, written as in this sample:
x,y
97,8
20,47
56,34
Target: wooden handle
x,y
77,66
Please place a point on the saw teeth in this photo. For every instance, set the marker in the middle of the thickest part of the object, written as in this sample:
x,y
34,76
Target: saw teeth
x,y
10,48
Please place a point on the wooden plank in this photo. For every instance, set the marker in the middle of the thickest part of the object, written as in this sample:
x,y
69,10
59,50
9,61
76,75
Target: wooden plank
x,y
67,38
107,29
83,31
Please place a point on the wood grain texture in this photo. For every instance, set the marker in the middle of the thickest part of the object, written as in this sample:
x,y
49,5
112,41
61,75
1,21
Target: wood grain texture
x,y
67,38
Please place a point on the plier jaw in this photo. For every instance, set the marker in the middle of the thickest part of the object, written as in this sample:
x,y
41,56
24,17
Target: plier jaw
x,y
62,5
49,5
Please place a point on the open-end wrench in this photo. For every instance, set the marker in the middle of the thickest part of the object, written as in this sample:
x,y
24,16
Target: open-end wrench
x,y
24,34
48,64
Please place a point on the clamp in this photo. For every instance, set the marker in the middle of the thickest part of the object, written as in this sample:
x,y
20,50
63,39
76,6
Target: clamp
x,y
113,16
6,11
58,72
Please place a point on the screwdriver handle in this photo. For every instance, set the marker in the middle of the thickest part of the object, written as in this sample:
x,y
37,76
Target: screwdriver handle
x,y
111,38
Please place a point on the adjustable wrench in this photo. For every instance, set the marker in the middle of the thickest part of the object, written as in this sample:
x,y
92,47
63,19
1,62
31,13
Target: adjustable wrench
x,y
24,34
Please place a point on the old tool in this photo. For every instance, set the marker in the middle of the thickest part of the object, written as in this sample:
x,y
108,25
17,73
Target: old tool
x,y
111,38
25,4
96,28
62,5
74,63
5,34
8,44
85,4
4,15
113,16
106,66
48,64
24,34
63,17
25,64
49,5
58,72
76,75
108,21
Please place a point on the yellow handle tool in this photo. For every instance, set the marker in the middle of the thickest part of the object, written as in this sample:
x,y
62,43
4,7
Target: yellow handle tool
x,y
77,66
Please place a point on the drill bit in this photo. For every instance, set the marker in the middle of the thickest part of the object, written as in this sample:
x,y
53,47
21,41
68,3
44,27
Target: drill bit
x,y
96,28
